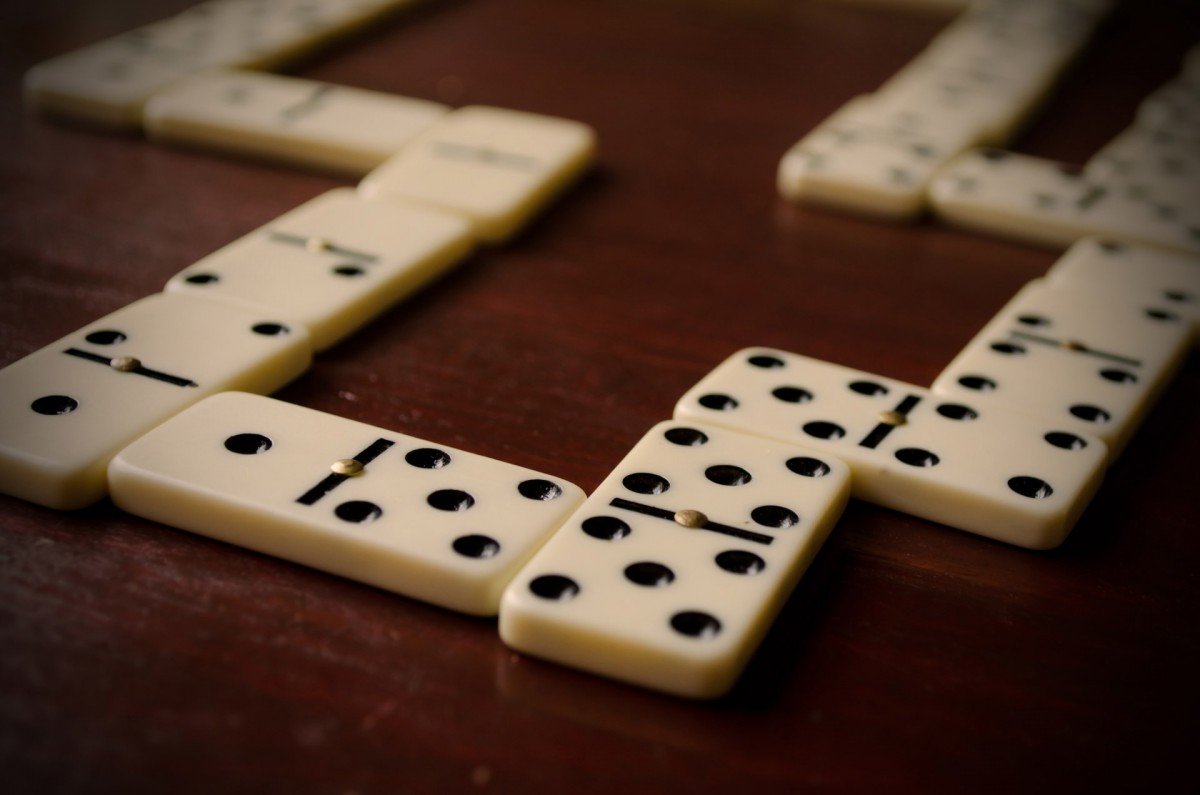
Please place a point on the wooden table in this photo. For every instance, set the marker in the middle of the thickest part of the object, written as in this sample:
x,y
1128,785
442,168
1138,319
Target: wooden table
x,y
134,657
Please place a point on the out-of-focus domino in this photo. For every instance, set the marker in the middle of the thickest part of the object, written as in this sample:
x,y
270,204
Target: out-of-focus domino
x,y
1050,203
107,83
872,156
1155,165
494,166
287,119
1173,108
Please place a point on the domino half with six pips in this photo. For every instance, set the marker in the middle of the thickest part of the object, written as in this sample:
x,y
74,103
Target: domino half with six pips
x,y
287,119
418,518
1084,361
66,409
673,570
979,468
333,263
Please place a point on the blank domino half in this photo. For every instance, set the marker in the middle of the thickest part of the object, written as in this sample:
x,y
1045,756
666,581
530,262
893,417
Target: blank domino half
x,y
66,409
497,167
288,119
978,468
332,263
421,519
1134,273
1043,201
1087,362
108,82
672,572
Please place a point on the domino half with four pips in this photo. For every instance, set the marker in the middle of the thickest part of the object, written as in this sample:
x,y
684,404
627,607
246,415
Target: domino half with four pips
x,y
978,468
418,518
672,571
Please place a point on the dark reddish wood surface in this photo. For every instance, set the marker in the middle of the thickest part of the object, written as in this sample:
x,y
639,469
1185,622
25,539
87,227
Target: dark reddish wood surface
x,y
912,657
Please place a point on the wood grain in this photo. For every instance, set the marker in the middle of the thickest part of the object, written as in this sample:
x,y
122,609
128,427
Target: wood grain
x,y
912,658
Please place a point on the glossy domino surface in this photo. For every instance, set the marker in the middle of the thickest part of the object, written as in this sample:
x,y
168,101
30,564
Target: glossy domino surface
x,y
68,408
419,518
975,467
673,570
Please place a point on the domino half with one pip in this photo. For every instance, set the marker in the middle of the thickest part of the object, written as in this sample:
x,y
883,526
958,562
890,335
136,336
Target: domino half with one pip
x,y
421,519
673,570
